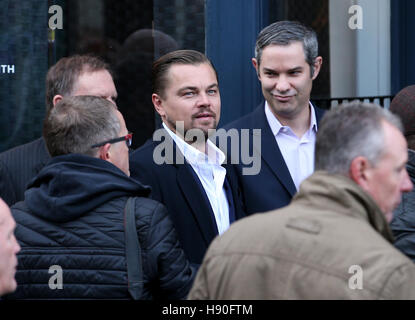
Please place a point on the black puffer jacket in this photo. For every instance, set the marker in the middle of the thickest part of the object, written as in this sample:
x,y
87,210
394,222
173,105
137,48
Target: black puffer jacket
x,y
72,217
403,223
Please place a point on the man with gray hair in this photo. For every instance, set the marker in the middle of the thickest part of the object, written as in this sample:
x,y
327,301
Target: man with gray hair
x,y
72,223
333,240
70,76
286,62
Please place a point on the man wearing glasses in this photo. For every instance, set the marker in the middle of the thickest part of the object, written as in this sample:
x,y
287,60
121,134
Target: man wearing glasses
x,y
71,76
73,214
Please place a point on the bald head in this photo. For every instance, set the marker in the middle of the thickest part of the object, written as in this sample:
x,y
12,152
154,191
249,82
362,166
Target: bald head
x,y
403,105
8,250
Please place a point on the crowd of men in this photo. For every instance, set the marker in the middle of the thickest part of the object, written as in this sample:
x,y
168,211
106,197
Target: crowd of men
x,y
180,217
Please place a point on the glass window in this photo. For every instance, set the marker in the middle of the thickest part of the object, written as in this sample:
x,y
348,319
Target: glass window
x,y
354,41
128,34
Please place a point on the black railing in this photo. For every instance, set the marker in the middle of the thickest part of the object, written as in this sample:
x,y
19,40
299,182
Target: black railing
x,y
327,103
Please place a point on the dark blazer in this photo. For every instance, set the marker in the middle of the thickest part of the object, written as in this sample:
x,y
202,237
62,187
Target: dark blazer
x,y
18,166
273,186
177,186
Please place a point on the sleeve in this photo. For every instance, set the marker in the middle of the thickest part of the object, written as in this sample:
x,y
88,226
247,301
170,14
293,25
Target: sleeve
x,y
403,225
401,284
171,268
199,289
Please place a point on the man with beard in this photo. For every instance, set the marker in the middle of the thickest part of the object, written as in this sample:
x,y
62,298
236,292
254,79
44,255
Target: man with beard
x,y
182,166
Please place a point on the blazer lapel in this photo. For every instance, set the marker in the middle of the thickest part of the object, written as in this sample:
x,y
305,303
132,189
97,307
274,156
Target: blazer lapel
x,y
233,194
319,113
193,192
270,151
197,200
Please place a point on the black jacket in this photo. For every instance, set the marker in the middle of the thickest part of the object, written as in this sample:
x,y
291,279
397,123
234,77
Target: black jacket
x,y
403,223
72,217
20,165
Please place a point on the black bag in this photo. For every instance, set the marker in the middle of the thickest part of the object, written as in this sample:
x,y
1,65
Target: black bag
x,y
133,252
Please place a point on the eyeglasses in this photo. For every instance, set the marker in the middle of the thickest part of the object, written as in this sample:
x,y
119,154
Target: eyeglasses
x,y
127,138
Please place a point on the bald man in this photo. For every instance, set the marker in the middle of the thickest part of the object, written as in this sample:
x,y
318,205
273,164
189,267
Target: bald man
x,y
8,250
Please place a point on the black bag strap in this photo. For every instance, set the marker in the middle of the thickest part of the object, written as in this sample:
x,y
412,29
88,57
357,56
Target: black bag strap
x,y
132,251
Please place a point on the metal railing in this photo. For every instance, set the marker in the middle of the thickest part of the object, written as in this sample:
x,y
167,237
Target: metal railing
x,y
327,103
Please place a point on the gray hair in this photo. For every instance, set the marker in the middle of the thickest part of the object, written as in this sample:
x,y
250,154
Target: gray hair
x,y
78,122
284,33
351,130
62,77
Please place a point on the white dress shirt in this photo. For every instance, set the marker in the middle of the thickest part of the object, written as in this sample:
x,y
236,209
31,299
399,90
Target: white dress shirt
x,y
210,173
298,153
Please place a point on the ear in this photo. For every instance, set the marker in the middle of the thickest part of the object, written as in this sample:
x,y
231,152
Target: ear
x,y
104,152
360,172
317,66
56,99
255,64
158,104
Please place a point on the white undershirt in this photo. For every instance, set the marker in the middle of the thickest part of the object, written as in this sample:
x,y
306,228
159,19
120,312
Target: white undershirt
x,y
211,174
298,153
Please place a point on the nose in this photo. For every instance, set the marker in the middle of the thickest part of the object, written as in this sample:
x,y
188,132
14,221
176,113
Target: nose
x,y
407,184
203,100
282,84
16,246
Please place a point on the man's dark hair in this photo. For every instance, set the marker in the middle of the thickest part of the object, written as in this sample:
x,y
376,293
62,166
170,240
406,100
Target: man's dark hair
x,y
162,65
62,77
78,122
284,33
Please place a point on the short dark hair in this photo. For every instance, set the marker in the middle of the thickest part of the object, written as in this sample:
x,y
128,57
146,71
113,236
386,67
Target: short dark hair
x,y
62,76
78,122
285,32
162,65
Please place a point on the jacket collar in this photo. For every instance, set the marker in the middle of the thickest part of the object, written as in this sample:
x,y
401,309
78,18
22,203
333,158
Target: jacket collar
x,y
325,191
270,151
73,184
276,125
191,188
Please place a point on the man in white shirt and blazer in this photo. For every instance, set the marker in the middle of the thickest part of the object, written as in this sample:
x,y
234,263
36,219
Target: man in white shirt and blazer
x,y
185,170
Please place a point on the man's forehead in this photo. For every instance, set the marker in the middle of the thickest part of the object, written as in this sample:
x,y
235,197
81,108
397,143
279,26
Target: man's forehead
x,y
185,75
396,146
296,47
85,76
178,68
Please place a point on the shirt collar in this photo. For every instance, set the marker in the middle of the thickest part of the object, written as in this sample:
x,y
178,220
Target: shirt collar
x,y
214,154
276,125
